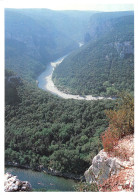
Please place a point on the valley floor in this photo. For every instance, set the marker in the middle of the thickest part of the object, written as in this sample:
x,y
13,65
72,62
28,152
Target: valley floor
x,y
45,82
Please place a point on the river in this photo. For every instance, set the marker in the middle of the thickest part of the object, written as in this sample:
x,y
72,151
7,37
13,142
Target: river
x,y
45,82
41,181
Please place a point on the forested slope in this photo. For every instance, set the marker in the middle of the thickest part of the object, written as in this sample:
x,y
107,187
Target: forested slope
x,y
34,37
45,130
71,23
42,129
105,65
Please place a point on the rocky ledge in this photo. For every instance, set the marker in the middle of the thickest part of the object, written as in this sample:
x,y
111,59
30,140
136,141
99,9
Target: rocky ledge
x,y
102,168
114,171
13,184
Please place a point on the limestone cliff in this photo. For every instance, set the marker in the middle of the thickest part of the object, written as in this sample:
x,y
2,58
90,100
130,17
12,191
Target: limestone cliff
x,y
114,171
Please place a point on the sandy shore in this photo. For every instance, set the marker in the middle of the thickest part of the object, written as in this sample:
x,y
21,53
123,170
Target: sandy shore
x,y
45,82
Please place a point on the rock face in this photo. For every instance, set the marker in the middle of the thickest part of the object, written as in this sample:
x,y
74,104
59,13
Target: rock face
x,y
12,184
124,48
102,168
114,171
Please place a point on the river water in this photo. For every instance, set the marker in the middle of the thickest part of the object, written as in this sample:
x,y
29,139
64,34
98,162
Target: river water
x,y
45,82
41,181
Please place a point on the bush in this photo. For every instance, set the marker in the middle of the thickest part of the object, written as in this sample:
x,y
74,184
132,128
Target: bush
x,y
121,122
86,187
109,139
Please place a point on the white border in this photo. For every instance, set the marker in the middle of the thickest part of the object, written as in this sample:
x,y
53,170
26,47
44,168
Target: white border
x,y
2,95
42,3
136,95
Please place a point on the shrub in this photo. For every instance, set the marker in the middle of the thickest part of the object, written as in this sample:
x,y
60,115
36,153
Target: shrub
x,y
86,187
109,139
121,122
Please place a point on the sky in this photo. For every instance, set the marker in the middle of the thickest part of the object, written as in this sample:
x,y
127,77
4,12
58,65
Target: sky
x,y
98,5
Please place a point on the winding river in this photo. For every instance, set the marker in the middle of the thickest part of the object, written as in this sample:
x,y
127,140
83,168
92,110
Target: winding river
x,y
45,82
39,180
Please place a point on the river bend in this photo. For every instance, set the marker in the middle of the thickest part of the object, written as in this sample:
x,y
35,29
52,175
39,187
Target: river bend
x,y
45,82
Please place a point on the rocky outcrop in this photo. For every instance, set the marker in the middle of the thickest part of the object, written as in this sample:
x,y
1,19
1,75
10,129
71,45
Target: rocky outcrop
x,y
124,48
13,184
102,168
114,171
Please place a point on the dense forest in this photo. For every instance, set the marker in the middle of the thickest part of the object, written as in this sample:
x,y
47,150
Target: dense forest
x,y
50,131
41,128
104,66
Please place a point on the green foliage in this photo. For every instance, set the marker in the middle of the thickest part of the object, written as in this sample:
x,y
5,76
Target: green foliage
x,y
32,40
86,187
104,66
45,130
123,117
42,129
34,37
12,82
121,121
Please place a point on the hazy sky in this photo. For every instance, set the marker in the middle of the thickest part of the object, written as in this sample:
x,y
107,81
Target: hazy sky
x,y
99,5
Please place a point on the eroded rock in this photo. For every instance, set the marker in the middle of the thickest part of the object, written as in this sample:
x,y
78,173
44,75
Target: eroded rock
x,y
102,168
13,184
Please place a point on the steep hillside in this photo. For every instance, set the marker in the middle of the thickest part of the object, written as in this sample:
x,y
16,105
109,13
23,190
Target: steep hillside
x,y
112,169
29,45
105,65
72,23
101,23
52,132
34,37
43,131
12,82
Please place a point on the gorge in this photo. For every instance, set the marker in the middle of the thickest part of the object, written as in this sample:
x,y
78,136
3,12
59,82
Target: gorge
x,y
51,120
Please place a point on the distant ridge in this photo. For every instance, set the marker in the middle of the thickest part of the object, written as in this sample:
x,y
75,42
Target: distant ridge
x,y
105,64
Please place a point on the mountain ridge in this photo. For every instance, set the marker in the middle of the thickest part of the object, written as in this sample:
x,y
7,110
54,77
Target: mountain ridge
x,y
85,71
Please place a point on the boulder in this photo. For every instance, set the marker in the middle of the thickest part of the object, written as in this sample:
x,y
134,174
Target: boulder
x,y
13,184
102,168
